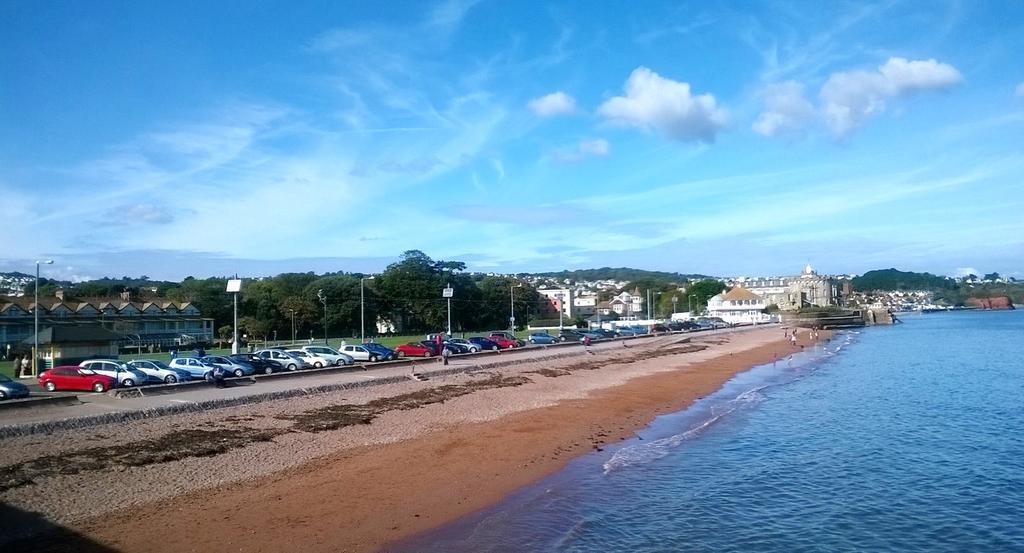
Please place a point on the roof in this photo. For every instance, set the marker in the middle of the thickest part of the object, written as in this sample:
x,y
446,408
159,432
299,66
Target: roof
x,y
741,293
67,334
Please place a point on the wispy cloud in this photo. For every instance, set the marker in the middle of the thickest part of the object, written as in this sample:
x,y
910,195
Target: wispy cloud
x,y
554,104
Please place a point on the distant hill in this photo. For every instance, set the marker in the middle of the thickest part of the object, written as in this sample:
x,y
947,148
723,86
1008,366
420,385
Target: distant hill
x,y
620,273
893,279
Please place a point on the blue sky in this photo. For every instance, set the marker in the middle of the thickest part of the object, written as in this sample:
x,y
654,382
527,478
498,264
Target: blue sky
x,y
208,138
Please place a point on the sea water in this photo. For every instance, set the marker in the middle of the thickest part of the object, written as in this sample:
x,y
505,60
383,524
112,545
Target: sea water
x,y
898,438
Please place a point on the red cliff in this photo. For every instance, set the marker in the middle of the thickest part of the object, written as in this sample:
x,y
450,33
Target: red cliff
x,y
998,302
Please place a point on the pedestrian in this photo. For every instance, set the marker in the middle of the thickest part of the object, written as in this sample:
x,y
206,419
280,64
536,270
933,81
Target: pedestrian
x,y
174,353
586,344
26,367
445,353
792,339
218,377
17,366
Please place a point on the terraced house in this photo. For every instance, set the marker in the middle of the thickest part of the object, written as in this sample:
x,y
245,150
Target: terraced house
x,y
146,321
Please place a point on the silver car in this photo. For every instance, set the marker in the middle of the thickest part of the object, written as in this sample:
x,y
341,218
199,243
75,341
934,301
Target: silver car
x,y
236,368
123,374
158,370
287,360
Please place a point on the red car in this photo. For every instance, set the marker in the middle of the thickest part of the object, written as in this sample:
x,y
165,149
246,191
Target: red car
x,y
74,378
414,350
503,343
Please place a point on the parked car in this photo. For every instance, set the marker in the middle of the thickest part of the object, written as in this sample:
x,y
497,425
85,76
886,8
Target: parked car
x,y
508,336
541,338
313,360
117,370
415,349
470,346
71,377
159,371
384,353
503,343
604,333
484,343
331,355
287,360
569,335
232,366
262,366
682,325
625,331
11,389
592,335
195,367
362,353
457,348
659,328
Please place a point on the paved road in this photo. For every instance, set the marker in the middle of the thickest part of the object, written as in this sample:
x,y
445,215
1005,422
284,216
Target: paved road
x,y
95,404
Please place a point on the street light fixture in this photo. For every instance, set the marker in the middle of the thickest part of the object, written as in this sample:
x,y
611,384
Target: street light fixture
x,y
35,311
323,299
362,309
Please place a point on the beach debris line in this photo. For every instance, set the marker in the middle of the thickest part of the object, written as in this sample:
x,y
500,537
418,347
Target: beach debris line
x,y
333,417
169,447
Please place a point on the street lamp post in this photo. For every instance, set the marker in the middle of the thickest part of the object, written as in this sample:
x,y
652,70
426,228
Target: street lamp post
x,y
689,304
35,311
362,309
561,310
675,299
512,305
323,299
293,325
234,287
655,306
447,293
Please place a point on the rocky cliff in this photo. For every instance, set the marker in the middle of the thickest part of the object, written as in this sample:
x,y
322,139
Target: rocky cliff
x,y
997,302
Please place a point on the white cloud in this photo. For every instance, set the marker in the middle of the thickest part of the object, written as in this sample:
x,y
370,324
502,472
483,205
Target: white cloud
x,y
554,104
599,147
786,110
1020,90
652,102
587,148
850,97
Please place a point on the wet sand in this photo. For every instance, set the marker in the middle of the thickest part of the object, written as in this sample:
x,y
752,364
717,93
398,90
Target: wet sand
x,y
464,454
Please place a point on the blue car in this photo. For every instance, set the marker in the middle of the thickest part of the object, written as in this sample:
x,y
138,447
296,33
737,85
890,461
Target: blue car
x,y
195,367
9,389
541,338
484,343
384,353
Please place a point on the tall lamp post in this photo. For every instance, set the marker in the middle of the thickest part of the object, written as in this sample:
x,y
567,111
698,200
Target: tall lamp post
x,y
362,309
35,311
512,304
323,299
655,306
675,299
234,287
561,310
447,293
293,325
689,304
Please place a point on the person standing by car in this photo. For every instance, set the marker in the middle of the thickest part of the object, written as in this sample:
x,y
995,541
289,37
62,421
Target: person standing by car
x,y
26,366
445,353
218,377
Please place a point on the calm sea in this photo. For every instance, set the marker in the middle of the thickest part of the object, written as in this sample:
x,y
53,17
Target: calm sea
x,y
903,438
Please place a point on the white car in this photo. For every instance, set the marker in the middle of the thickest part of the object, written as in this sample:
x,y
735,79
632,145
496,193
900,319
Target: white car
x,y
332,355
473,348
359,353
310,358
124,375
157,370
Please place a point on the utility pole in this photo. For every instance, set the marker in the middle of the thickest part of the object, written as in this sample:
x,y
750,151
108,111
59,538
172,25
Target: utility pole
x,y
447,293
35,311
235,286
362,309
560,311
323,299
675,299
293,325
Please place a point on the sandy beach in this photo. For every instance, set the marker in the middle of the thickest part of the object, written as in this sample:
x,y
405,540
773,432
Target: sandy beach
x,y
355,470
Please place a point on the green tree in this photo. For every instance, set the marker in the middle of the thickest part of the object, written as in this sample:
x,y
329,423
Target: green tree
x,y
701,291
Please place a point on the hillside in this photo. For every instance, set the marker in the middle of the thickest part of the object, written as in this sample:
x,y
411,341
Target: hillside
x,y
893,279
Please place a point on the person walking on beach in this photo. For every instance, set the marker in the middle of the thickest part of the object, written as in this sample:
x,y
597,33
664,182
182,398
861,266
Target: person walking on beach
x,y
792,339
445,353
586,344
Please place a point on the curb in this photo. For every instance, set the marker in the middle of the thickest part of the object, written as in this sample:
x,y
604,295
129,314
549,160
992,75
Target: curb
x,y
39,401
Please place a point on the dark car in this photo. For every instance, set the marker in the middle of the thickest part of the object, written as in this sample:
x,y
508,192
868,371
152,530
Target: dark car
x,y
384,353
484,343
262,365
457,348
11,389
604,333
660,328
570,335
682,325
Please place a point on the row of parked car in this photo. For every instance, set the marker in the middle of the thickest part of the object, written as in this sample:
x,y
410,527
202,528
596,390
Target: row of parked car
x,y
100,375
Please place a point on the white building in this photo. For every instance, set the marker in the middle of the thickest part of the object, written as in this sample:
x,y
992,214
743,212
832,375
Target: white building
x,y
738,306
628,305
559,299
